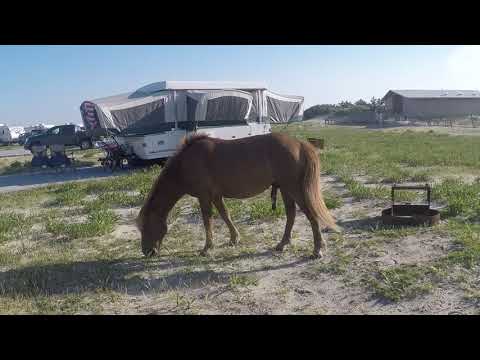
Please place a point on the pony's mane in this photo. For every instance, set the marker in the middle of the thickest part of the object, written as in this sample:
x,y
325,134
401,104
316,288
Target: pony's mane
x,y
186,142
169,167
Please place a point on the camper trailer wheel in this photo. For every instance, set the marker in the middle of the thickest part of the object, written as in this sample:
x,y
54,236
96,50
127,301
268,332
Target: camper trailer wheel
x,y
124,163
107,164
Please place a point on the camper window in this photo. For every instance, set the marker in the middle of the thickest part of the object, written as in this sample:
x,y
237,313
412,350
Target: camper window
x,y
280,111
227,108
146,118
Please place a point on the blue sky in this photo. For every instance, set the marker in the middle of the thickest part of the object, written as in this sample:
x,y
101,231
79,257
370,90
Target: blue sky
x,y
48,83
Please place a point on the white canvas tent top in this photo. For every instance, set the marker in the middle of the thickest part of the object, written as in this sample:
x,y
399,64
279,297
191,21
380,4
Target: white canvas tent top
x,y
201,85
16,131
165,105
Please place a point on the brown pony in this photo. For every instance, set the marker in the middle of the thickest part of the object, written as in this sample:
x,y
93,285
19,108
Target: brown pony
x,y
211,169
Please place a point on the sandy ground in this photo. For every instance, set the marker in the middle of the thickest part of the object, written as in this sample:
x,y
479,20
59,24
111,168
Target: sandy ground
x,y
281,283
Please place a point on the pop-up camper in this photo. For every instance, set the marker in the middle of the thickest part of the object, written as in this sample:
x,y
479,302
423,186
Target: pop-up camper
x,y
152,120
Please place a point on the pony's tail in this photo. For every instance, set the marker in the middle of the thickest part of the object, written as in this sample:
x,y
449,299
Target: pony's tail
x,y
313,192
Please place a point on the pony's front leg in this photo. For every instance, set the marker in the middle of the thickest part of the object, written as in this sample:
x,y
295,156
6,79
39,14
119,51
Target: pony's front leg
x,y
223,211
291,213
206,208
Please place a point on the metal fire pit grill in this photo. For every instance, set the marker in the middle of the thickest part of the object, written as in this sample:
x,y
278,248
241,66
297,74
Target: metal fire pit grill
x,y
408,214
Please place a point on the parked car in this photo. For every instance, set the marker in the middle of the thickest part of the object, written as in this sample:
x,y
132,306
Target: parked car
x,y
68,135
23,138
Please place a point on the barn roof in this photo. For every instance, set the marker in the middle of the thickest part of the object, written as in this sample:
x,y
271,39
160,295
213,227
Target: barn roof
x,y
436,94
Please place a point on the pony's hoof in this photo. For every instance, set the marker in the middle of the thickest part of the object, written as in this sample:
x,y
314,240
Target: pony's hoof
x,y
317,255
280,247
234,238
205,252
151,253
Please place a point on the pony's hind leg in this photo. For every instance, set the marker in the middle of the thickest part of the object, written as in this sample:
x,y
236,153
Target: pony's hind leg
x,y
290,210
206,208
223,211
319,243
273,196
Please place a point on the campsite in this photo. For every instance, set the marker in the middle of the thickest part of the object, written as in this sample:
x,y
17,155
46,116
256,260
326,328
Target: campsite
x,y
74,248
287,194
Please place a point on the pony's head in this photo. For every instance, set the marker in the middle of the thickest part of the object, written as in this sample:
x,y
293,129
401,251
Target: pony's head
x,y
153,229
167,190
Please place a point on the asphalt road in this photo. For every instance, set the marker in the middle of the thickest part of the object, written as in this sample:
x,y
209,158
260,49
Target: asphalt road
x,y
20,151
25,181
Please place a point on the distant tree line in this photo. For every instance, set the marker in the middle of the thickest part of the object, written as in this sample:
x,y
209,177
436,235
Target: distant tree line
x,y
344,108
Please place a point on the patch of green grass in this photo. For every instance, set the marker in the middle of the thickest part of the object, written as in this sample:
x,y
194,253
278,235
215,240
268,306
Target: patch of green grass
x,y
257,208
10,221
98,223
403,282
183,304
383,156
68,196
23,199
338,265
472,294
13,225
395,232
462,199
467,237
65,304
261,208
332,201
109,193
121,199
421,176
238,281
235,207
140,180
8,257
16,167
359,191
92,206
395,174
408,281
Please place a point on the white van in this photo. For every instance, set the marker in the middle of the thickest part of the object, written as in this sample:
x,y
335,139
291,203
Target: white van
x,y
152,120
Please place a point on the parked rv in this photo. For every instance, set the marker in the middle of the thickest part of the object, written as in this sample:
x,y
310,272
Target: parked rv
x,y
10,134
151,121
